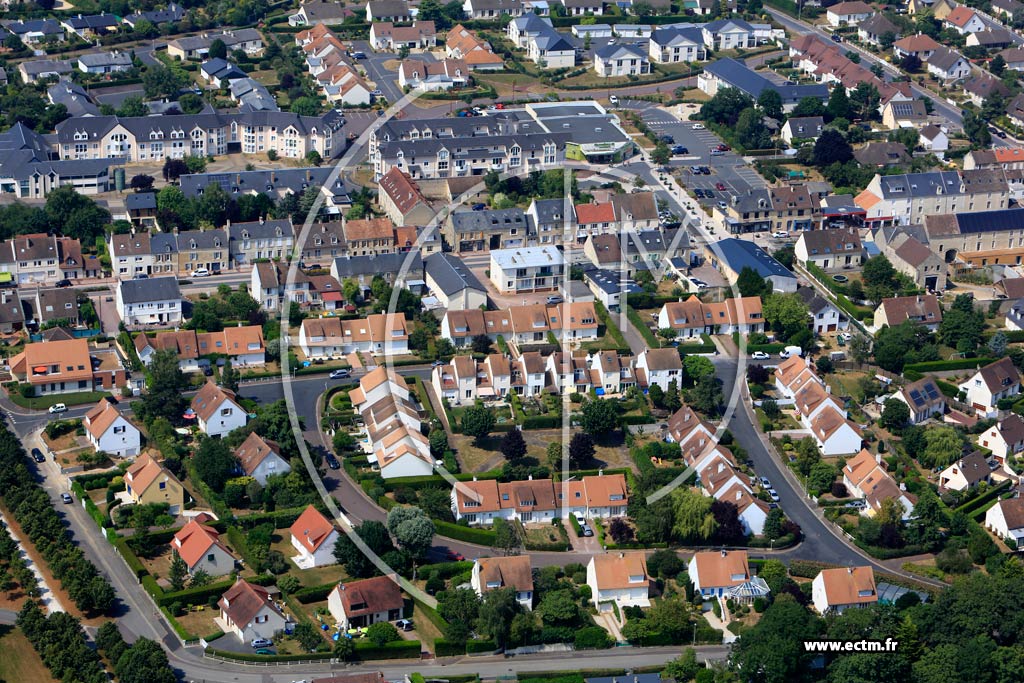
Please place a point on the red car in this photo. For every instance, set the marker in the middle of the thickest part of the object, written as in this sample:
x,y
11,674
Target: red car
x,y
724,148
720,187
454,556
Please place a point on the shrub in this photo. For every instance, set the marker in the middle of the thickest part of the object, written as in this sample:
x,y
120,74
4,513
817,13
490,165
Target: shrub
x,y
592,638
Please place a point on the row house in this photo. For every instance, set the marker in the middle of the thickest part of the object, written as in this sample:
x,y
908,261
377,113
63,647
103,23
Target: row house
x,y
531,324
826,62
154,138
914,197
168,253
431,76
865,476
395,444
492,9
243,345
248,40
721,480
791,375
68,366
273,285
913,258
692,317
332,338
540,500
468,231
824,416
464,380
42,259
384,35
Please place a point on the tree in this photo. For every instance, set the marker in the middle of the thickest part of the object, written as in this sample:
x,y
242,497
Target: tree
x,y
75,215
773,525
751,133
459,608
229,377
141,182
497,609
413,530
725,107
770,103
750,283
598,417
505,537
728,527
697,367
172,170
962,325
306,106
976,130
895,414
865,100
481,343
477,422
581,449
879,277
694,520
513,446
661,154
200,578
438,441
382,633
558,608
218,50
307,636
821,476
997,344
943,445
911,64
774,647
684,667
165,386
348,554
706,396
786,313
214,463
144,662
839,103
831,147
177,572
808,107
997,66
807,455
665,564
162,81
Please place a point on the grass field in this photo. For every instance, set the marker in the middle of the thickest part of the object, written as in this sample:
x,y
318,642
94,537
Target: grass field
x,y
20,662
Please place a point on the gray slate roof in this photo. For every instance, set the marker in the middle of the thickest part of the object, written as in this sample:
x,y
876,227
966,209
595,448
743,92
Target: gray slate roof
x,y
449,273
278,227
140,201
270,182
486,221
153,289
73,97
108,59
740,254
739,75
354,266
926,184
48,27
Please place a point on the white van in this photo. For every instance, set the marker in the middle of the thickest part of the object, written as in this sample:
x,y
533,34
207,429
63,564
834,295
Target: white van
x,y
790,351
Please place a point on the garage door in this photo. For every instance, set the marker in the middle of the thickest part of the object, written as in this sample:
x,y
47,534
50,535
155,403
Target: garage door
x,y
832,327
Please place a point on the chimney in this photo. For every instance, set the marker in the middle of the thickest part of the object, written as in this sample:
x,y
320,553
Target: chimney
x,y
530,478
849,570
724,553
878,458
622,556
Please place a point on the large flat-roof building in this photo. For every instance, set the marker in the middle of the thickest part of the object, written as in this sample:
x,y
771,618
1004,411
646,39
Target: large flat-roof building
x,y
527,270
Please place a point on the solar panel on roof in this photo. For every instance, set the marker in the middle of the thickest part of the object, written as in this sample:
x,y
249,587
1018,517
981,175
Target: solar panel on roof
x,y
932,390
916,397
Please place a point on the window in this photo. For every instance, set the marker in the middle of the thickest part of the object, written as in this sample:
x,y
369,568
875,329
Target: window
x,y
163,485
225,412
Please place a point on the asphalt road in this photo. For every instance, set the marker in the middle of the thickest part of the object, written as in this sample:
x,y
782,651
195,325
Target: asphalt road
x,y
385,80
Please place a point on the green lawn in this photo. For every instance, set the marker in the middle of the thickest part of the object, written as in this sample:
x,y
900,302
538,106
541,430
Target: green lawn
x,y
20,662
43,402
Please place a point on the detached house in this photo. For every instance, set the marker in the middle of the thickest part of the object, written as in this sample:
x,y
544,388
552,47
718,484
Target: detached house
x,y
156,301
964,20
147,481
837,590
1006,520
493,573
865,477
492,9
802,128
621,60
1005,438
991,383
948,65
848,13
249,612
201,549
110,432
924,399
873,28
965,473
830,250
663,367
358,604
260,458
217,411
313,537
922,308
678,44
621,579
713,573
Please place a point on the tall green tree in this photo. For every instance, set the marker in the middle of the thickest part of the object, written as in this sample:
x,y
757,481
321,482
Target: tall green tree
x,y
477,421
513,446
693,518
598,417
165,386
497,609
413,530
214,462
750,283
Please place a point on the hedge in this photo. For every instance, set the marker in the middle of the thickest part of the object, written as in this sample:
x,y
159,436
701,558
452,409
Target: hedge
x,y
981,501
281,519
121,545
445,570
446,648
484,537
480,646
432,615
252,657
950,390
955,364
399,649
542,422
314,593
428,480
636,419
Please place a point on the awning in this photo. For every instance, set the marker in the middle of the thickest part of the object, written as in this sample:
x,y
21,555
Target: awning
x,y
40,369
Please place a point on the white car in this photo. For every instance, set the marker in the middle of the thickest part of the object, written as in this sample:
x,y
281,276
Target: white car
x,y
784,354
780,234
773,495
698,126
760,355
58,408
200,272
613,99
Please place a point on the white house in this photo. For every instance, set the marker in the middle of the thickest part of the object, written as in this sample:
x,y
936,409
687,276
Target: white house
x,y
249,612
110,432
989,384
715,572
377,384
924,398
529,269
948,65
934,138
673,45
752,511
830,249
825,316
155,301
802,128
376,334
1006,520
834,434
620,578
837,590
661,367
965,473
201,549
313,537
403,452
358,604
260,458
848,13
1005,438
492,573
216,410
621,60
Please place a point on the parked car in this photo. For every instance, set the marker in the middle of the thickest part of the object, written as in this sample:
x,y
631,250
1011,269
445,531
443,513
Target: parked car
x,y
679,149
780,234
201,272
332,462
358,55
668,139
773,495
720,186
58,408
404,624
261,642
760,355
63,283
724,148
37,455
710,194
698,126
580,518
479,207
613,99
66,498
437,363
717,153
377,93
341,374
554,299
265,651
765,483
706,170
587,531
837,38
454,556
698,193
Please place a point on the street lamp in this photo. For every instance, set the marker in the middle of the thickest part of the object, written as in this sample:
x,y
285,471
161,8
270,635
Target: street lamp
x,y
695,633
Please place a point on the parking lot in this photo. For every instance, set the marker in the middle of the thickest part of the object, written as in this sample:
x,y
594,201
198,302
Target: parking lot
x,y
729,175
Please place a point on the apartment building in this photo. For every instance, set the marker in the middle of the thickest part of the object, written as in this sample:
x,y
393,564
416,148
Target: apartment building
x,y
531,269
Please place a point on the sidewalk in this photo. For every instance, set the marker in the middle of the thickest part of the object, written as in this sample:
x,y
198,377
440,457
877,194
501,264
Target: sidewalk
x,y
50,602
717,624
